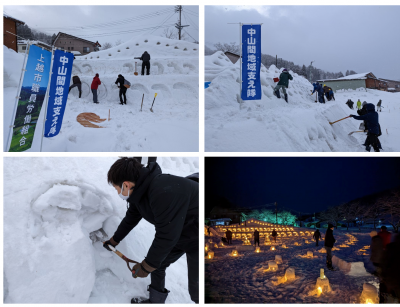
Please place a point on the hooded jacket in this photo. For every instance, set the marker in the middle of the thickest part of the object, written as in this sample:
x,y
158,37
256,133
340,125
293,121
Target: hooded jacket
x,y
284,78
371,119
170,203
96,82
121,81
145,57
329,239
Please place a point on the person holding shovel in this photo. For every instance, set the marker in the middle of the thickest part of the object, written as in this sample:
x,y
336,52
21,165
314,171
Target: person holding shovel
x,y
171,204
283,84
122,88
374,130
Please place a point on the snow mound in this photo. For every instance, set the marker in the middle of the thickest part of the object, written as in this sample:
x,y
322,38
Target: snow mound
x,y
350,268
54,227
271,124
174,76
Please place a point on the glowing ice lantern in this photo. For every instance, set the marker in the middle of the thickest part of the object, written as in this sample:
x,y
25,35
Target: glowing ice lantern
x,y
272,266
369,294
257,249
278,259
310,254
216,245
323,284
284,245
272,248
234,253
210,241
289,274
210,254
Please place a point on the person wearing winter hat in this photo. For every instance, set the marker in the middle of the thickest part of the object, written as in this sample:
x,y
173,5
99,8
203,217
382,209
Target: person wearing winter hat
x,y
376,250
283,84
122,89
371,120
329,242
95,85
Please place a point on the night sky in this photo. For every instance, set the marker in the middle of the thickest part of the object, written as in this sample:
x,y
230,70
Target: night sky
x,y
303,184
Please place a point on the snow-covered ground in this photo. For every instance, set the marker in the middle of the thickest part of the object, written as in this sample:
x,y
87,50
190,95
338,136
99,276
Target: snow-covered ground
x,y
246,278
173,127
56,211
271,124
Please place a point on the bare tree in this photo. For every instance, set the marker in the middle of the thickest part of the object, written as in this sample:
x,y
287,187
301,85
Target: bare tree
x,y
169,33
106,46
391,206
232,47
374,212
332,215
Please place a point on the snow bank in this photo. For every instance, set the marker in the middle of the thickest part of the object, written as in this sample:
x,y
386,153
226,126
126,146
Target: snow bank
x,y
350,268
173,127
271,124
56,213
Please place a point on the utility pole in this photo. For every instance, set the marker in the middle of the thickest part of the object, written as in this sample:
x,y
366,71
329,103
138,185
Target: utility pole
x,y
178,25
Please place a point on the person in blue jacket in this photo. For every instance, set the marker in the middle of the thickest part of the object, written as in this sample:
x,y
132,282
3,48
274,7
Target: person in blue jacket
x,y
374,129
320,90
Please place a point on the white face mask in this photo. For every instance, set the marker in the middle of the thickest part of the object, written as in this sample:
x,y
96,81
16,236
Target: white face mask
x,y
123,196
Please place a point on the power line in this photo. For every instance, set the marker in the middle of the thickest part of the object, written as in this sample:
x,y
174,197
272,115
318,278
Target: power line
x,y
193,13
191,21
163,22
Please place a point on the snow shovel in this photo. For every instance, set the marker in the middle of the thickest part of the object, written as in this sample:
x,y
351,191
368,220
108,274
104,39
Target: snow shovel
x,y
135,73
358,131
142,103
339,120
127,260
151,109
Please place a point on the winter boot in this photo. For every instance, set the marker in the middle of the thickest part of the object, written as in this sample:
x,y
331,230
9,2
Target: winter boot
x,y
277,93
155,297
286,99
329,265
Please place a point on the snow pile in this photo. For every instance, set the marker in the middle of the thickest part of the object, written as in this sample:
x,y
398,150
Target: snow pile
x,y
56,213
174,76
271,124
248,279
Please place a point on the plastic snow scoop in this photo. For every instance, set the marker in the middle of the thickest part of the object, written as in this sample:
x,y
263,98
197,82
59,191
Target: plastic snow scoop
x,y
151,109
276,79
127,260
357,131
142,103
135,73
339,120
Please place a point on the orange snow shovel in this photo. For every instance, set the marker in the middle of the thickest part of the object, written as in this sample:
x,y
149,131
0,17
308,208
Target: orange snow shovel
x,y
127,260
339,120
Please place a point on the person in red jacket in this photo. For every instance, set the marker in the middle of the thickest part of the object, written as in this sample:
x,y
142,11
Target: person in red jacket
x,y
385,235
95,85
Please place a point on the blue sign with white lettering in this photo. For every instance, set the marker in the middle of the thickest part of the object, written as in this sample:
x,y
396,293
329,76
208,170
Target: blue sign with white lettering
x,y
58,94
251,62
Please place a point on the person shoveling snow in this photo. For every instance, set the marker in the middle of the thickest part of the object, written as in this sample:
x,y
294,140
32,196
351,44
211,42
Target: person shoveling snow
x,y
171,204
283,84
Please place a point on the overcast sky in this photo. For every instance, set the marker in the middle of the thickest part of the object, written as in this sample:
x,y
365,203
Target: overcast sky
x,y
337,38
104,23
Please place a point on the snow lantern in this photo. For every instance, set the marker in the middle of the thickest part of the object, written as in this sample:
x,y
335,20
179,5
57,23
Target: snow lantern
x,y
235,253
307,241
310,254
278,259
267,238
323,285
321,273
267,243
296,243
206,248
210,254
272,248
284,245
257,249
272,266
221,243
369,294
210,241
289,274
216,245
208,245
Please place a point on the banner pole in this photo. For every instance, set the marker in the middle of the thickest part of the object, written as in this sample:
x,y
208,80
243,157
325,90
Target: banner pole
x,y
47,98
17,97
241,63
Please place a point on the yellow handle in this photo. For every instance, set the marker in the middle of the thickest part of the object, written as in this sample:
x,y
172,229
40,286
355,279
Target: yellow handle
x,y
155,95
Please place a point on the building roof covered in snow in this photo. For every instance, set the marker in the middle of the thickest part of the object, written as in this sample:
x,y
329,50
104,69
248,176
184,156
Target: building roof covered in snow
x,y
14,19
362,76
75,37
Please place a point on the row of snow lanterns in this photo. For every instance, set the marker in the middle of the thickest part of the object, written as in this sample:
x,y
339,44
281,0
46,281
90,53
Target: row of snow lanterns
x,y
268,234
247,229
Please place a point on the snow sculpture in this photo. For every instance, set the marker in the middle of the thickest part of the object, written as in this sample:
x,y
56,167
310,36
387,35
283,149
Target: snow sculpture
x,y
272,266
290,274
278,259
369,294
210,254
310,254
257,249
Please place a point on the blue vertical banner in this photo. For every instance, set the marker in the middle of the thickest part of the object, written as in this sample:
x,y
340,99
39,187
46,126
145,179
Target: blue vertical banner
x,y
58,94
31,97
251,62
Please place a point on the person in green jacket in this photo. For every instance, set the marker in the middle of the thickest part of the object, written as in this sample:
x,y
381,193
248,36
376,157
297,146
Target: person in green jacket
x,y
283,84
359,104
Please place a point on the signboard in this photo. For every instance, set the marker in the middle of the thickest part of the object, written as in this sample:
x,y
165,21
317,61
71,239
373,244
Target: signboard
x,y
251,62
58,93
32,93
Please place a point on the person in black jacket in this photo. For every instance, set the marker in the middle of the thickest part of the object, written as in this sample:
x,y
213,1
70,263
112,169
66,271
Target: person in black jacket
x,y
274,234
76,83
376,250
145,58
122,88
350,104
171,204
317,236
390,286
371,120
256,238
329,241
228,234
